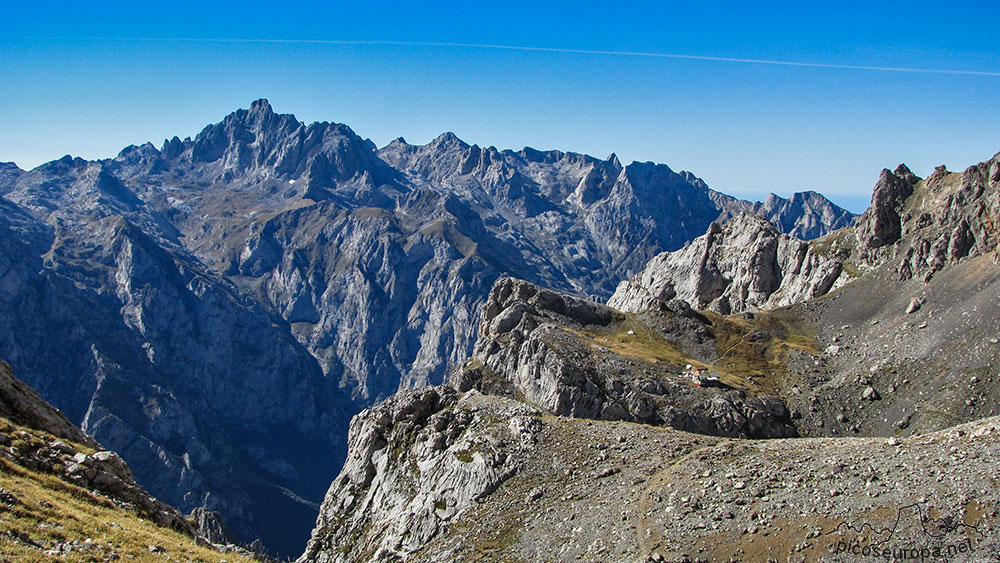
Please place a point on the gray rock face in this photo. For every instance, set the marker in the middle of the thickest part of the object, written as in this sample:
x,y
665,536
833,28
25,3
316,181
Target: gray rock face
x,y
217,308
9,173
744,265
806,215
529,337
418,460
881,223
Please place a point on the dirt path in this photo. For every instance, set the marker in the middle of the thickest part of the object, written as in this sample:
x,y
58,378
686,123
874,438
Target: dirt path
x,y
644,502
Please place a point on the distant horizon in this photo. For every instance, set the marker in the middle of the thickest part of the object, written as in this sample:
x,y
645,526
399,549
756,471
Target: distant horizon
x,y
781,99
856,204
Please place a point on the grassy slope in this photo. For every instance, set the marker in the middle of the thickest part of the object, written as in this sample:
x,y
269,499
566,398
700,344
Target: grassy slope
x,y
50,513
751,351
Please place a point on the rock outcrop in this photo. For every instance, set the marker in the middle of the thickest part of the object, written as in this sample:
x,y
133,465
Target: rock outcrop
x,y
934,222
881,223
22,405
537,340
418,461
49,443
743,265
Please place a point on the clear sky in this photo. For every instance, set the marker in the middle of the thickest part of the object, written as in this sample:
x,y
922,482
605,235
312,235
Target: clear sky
x,y
88,78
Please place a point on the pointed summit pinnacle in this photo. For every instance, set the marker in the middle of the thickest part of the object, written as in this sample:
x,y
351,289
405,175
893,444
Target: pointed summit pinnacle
x,y
261,106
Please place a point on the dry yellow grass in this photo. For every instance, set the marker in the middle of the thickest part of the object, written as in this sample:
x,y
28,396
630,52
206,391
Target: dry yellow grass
x,y
752,353
643,344
53,512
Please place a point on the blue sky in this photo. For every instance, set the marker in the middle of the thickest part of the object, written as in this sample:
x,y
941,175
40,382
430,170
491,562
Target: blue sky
x,y
90,78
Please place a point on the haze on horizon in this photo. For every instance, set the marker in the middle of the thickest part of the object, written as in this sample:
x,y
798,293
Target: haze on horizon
x,y
786,99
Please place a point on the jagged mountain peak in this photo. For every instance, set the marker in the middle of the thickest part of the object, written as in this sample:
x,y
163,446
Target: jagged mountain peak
x,y
64,164
448,141
694,180
647,168
773,199
257,126
903,171
9,173
261,105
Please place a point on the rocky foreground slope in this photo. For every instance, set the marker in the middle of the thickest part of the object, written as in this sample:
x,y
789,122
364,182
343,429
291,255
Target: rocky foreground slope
x,y
564,435
64,497
215,309
435,475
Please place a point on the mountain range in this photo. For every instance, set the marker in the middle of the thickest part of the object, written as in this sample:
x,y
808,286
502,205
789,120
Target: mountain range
x,y
218,308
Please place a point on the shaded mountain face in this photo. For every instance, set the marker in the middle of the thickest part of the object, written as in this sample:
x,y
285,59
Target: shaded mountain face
x,y
215,309
211,401
63,493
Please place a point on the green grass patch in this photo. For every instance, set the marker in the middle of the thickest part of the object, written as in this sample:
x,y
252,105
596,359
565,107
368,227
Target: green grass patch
x,y
643,344
753,352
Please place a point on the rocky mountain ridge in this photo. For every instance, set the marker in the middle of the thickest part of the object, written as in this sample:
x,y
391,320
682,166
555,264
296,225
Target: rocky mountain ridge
x,y
900,350
927,224
189,303
744,265
548,348
805,215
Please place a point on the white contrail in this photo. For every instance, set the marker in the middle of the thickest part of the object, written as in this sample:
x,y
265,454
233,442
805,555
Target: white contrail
x,y
680,56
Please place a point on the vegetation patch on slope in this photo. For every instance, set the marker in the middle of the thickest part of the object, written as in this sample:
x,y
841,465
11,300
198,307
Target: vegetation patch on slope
x,y
45,518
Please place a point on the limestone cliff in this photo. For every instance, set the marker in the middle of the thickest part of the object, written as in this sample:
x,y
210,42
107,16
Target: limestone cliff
x,y
418,461
743,265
